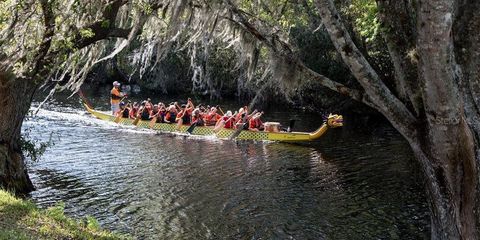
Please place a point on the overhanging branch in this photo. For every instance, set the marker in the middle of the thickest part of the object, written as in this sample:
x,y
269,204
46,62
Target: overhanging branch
x,y
272,42
49,24
383,99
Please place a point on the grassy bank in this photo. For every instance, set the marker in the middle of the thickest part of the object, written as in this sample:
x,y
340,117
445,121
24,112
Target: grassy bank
x,y
21,219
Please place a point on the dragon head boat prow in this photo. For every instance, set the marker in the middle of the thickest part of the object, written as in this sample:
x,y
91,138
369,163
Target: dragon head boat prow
x,y
334,120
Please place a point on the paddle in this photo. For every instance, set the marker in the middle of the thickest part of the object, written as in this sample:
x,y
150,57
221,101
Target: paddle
x,y
194,124
120,115
223,122
244,123
192,127
220,109
137,119
139,116
153,121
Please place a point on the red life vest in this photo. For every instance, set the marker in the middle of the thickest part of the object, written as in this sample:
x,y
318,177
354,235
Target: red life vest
x,y
254,123
228,122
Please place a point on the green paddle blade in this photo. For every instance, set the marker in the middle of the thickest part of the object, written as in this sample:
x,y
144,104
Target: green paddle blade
x,y
192,127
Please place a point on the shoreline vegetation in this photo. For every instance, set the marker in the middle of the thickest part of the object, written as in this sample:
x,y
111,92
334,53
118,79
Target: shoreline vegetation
x,y
22,219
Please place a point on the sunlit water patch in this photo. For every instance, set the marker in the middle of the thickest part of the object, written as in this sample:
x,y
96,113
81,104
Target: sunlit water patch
x,y
163,186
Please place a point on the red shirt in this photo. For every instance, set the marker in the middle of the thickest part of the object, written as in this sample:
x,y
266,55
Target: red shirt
x,y
194,118
212,118
254,123
228,122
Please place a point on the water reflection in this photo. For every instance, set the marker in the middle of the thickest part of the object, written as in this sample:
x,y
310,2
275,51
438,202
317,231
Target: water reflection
x,y
166,186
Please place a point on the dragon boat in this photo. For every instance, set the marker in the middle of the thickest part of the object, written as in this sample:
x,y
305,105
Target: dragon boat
x,y
333,121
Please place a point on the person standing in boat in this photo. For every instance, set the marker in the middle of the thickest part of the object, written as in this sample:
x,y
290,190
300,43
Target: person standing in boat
x,y
115,97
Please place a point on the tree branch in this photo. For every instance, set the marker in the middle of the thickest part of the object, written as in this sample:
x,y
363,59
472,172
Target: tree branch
x,y
383,99
397,30
285,51
105,28
101,29
49,23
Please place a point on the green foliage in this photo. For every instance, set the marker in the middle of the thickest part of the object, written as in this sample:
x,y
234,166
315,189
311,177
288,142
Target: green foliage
x,y
105,24
364,15
57,212
92,223
4,16
32,147
277,13
87,32
21,219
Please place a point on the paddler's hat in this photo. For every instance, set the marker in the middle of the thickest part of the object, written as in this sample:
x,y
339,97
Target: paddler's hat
x,y
116,84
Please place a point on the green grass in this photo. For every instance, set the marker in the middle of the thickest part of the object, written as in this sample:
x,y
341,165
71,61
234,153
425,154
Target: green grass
x,y
21,219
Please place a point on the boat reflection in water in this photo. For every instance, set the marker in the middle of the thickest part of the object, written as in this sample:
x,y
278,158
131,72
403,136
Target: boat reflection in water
x,y
163,186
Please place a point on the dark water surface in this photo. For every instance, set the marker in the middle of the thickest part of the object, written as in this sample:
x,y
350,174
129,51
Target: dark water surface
x,y
348,185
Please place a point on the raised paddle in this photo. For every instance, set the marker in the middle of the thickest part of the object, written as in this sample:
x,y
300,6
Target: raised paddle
x,y
220,109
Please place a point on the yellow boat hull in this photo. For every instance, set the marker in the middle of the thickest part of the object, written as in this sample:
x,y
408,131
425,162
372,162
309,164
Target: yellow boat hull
x,y
222,134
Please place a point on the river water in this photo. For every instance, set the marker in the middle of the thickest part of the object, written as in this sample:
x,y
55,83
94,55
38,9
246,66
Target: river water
x,y
348,185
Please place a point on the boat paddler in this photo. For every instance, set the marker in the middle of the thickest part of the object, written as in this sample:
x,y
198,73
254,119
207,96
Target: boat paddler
x,y
255,124
212,117
124,111
115,97
185,115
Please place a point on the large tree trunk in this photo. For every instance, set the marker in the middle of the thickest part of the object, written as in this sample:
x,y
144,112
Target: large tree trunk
x,y
15,99
451,182
444,135
448,140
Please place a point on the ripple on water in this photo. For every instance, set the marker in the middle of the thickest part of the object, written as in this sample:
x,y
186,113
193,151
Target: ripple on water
x,y
169,186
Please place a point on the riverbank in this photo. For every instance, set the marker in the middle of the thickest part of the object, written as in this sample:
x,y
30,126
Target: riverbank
x,y
22,219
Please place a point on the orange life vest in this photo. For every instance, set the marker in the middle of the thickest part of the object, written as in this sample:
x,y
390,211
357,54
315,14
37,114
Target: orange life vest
x,y
115,96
